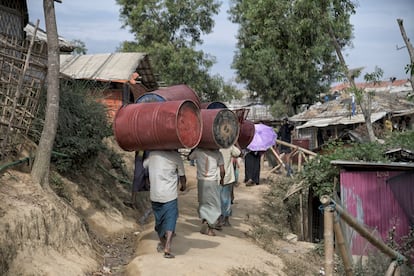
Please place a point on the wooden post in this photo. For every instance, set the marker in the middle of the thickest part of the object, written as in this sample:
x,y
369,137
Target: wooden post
x,y
278,157
295,147
364,232
300,161
302,230
343,250
391,269
328,235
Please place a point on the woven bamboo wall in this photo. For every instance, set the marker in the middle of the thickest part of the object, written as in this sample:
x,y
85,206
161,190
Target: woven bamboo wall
x,y
19,91
13,18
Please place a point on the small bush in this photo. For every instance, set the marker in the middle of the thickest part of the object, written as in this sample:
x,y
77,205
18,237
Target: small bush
x,y
240,271
320,174
82,125
57,184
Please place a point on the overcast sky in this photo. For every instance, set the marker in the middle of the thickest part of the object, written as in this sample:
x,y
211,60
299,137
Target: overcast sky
x,y
376,32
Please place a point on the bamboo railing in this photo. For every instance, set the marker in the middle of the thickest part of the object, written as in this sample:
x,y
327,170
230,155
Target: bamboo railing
x,y
330,207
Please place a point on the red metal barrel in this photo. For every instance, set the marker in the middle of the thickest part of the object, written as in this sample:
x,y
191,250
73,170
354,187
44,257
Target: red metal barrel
x,y
220,128
246,133
158,125
171,93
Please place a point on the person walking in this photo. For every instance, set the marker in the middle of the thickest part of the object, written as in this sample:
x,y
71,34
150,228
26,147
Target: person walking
x,y
226,190
210,173
285,134
166,169
252,167
140,182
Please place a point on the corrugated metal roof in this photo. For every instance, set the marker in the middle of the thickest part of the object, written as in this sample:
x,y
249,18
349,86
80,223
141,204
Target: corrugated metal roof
x,y
338,111
395,86
118,66
41,35
374,165
341,120
115,67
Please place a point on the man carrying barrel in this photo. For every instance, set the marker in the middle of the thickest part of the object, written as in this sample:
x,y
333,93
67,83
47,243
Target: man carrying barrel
x,y
165,169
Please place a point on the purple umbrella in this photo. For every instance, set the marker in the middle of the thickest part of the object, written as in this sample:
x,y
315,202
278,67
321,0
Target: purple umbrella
x,y
264,137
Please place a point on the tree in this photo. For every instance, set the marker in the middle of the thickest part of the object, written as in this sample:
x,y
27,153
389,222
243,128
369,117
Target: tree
x,y
169,32
40,169
410,48
284,52
364,99
80,47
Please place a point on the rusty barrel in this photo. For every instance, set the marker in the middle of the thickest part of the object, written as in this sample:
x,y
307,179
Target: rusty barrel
x,y
158,125
212,105
171,93
220,128
246,133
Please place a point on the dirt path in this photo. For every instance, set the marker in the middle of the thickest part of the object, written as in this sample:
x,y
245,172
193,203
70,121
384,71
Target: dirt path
x,y
198,254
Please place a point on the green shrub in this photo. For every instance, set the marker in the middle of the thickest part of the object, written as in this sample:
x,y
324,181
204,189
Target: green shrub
x,y
82,125
401,140
320,174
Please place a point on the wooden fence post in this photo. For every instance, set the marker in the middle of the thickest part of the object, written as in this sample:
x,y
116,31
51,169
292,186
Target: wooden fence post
x,y
396,256
328,235
343,250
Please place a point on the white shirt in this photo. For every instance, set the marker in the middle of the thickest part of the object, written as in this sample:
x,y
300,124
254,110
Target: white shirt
x,y
164,168
228,155
208,162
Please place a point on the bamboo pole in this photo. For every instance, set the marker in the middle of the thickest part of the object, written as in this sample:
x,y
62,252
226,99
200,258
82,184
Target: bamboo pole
x,y
295,147
278,158
343,250
328,235
302,228
364,232
391,269
300,161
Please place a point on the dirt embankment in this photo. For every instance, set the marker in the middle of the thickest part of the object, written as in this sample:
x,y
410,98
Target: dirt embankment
x,y
40,235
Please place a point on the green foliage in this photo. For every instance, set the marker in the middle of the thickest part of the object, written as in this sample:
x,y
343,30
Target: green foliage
x,y
401,140
57,184
284,51
82,125
169,31
405,246
409,69
320,174
80,47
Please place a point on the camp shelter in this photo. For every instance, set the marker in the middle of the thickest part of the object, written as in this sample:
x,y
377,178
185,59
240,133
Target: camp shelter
x,y
23,68
116,72
330,119
13,17
379,196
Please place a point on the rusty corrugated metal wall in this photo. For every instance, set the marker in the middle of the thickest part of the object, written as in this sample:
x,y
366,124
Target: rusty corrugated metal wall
x,y
367,195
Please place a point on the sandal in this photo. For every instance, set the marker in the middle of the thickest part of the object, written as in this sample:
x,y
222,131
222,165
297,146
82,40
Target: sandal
x,y
168,255
204,228
160,248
